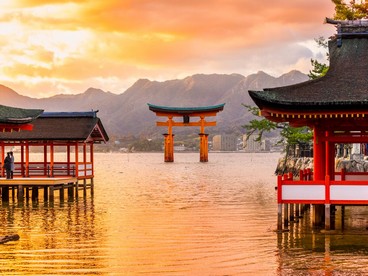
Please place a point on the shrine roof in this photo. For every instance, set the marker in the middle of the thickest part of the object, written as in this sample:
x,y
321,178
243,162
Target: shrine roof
x,y
62,126
14,115
344,87
186,110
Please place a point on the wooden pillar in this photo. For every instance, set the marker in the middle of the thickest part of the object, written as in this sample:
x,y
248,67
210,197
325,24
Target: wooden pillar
x,y
169,147
286,215
76,160
34,193
22,169
52,159
68,159
91,149
51,195
71,191
5,194
319,154
27,159
319,170
45,193
20,193
327,216
203,147
46,170
2,159
61,193
279,217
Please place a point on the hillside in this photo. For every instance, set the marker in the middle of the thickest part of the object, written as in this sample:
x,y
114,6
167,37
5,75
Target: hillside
x,y
128,114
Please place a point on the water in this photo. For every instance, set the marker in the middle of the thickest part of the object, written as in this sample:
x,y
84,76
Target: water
x,y
148,217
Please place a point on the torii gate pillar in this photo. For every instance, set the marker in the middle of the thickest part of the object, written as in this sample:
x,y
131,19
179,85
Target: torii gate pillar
x,y
203,147
169,147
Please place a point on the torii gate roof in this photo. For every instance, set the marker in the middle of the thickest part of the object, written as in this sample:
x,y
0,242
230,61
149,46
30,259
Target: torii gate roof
x,y
185,110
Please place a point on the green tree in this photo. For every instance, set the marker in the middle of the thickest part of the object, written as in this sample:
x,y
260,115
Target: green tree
x,y
351,10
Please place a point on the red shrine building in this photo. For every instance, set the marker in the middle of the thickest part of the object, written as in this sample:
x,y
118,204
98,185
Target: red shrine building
x,y
335,107
71,133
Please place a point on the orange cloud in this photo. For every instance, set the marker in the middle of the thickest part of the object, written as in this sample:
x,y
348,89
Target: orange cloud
x,y
86,41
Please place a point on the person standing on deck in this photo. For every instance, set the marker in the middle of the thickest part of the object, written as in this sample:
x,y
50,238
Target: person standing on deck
x,y
11,164
7,165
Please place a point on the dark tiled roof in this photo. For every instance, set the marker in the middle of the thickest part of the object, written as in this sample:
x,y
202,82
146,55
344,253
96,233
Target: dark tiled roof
x,y
185,110
14,115
62,126
345,86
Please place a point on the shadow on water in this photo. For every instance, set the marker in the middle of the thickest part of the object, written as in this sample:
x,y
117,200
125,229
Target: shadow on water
x,y
305,250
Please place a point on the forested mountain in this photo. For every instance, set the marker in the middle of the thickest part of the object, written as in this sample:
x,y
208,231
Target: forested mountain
x,y
128,113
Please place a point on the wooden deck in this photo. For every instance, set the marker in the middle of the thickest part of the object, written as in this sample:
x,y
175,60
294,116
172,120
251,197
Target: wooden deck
x,y
28,187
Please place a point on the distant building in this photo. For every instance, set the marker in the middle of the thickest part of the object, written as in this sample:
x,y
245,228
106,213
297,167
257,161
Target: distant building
x,y
224,143
251,145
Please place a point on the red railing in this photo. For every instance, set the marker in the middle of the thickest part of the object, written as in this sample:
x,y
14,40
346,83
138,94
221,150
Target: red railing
x,y
347,188
57,169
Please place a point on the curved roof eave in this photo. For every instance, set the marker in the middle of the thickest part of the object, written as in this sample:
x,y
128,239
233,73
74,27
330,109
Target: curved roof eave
x,y
185,110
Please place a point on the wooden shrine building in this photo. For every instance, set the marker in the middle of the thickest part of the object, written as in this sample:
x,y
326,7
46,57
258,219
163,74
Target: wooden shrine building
x,y
335,106
186,113
71,135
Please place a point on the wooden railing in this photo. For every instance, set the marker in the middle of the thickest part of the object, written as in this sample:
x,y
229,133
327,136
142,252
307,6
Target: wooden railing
x,y
347,188
42,169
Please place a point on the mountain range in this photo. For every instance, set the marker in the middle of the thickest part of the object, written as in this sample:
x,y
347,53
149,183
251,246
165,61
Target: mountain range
x,y
127,113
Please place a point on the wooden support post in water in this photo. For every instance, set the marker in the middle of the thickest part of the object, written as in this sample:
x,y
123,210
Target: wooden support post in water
x,y
286,215
51,191
70,192
84,188
61,193
5,194
27,193
34,193
327,216
20,193
291,212
279,217
45,193
92,187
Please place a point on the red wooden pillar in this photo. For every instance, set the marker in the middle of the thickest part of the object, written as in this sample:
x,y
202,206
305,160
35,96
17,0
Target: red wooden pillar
x,y
2,158
203,147
319,170
319,152
22,170
91,159
52,159
68,158
45,167
27,159
76,159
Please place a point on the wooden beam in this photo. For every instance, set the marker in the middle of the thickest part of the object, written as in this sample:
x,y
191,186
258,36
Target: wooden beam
x,y
188,124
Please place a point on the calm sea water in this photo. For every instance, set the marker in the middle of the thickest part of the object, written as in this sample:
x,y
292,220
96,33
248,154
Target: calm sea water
x,y
148,217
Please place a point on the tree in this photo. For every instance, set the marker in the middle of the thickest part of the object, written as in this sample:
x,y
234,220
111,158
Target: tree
x,y
350,11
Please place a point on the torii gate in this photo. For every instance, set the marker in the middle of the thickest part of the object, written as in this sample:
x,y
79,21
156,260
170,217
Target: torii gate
x,y
186,113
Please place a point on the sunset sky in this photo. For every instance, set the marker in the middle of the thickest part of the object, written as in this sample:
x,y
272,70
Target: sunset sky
x,y
65,47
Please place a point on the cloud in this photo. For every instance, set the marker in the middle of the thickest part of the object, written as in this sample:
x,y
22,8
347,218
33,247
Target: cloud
x,y
78,44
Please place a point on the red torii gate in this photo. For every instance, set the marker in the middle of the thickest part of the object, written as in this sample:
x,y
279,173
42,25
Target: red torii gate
x,y
186,113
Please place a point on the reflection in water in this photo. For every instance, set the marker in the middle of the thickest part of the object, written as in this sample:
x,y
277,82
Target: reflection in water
x,y
183,218
53,239
309,251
